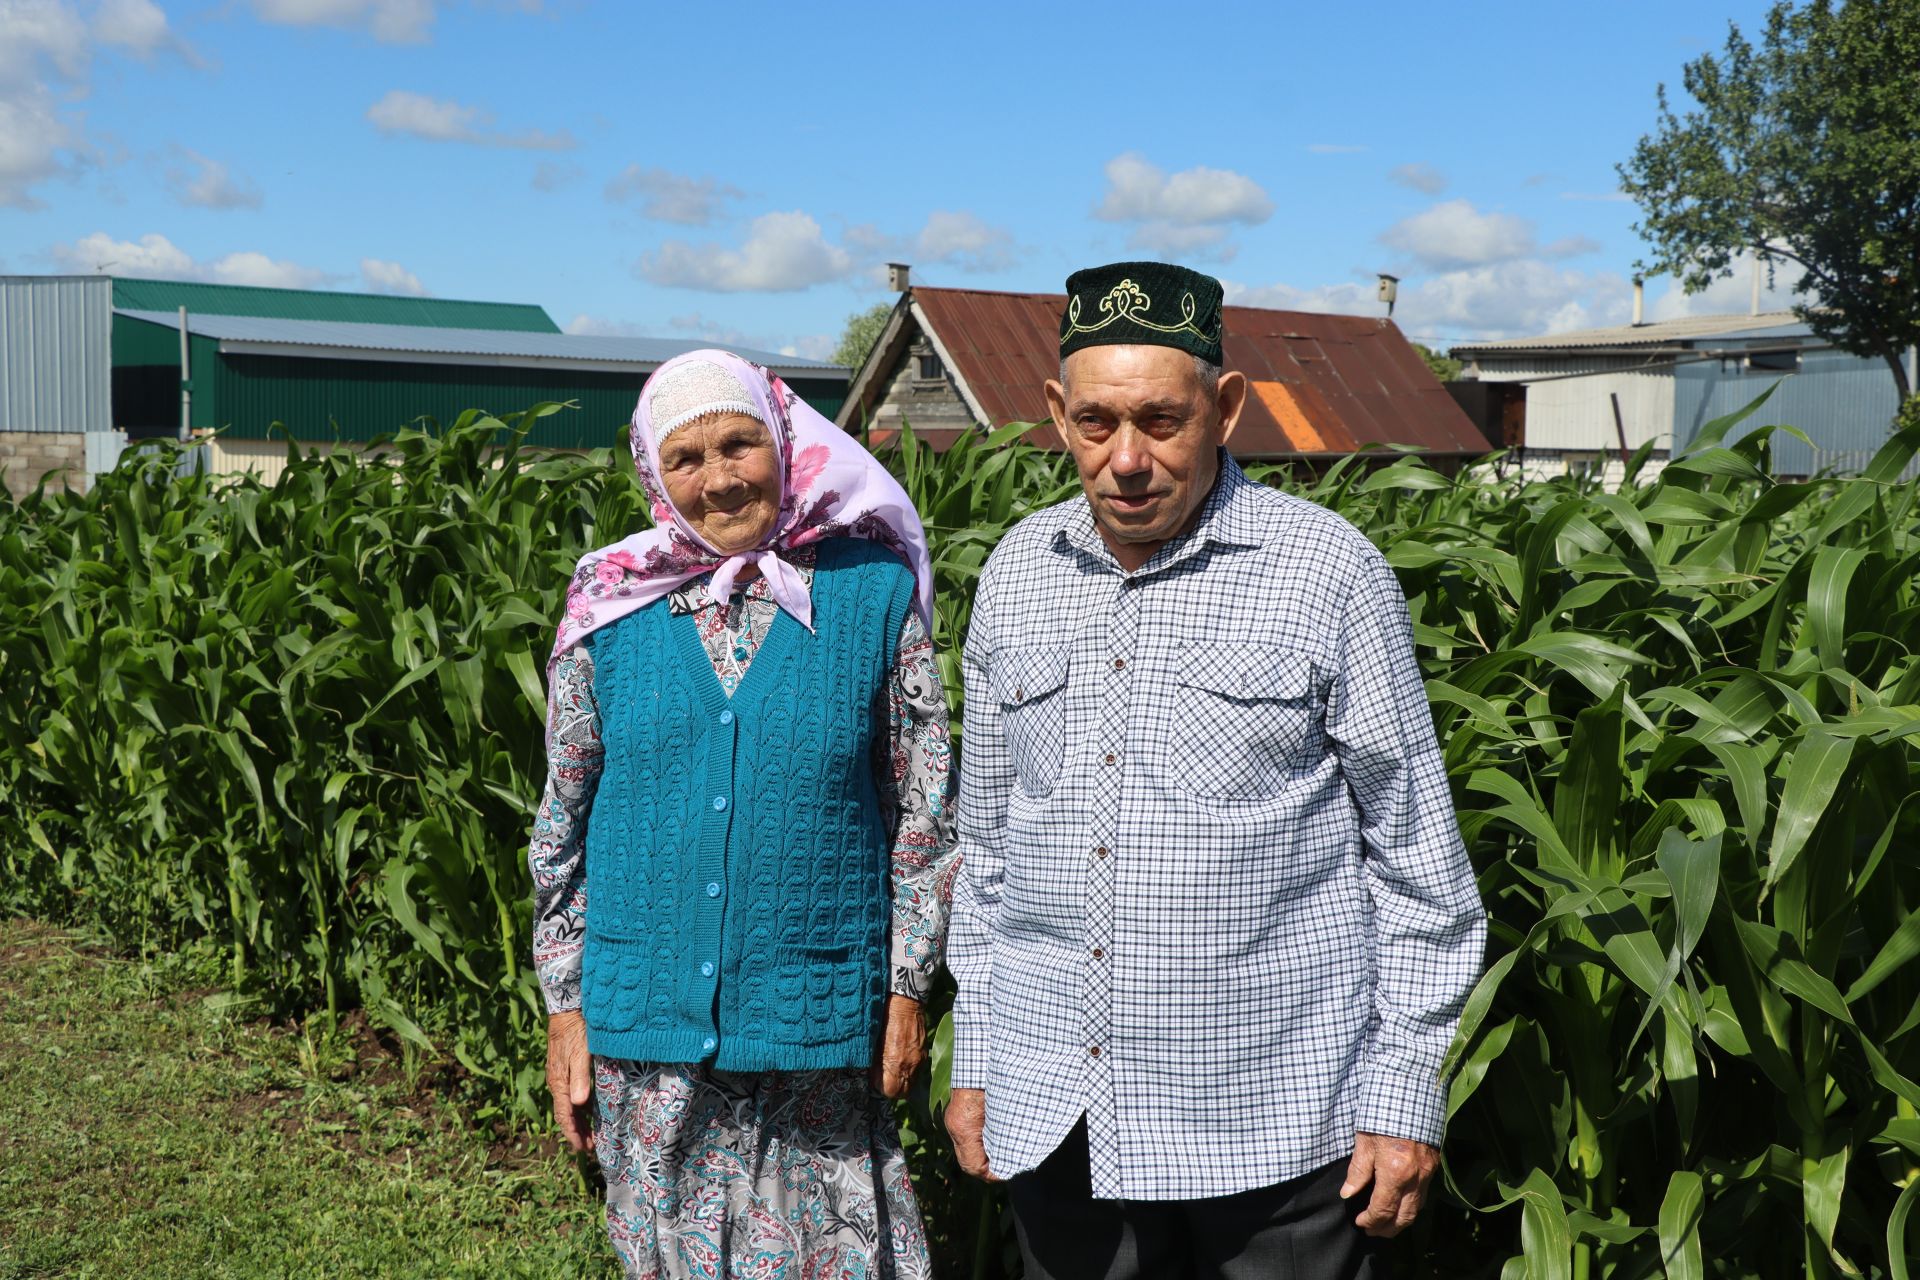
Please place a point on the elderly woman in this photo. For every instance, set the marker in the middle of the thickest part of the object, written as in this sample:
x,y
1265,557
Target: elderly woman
x,y
741,864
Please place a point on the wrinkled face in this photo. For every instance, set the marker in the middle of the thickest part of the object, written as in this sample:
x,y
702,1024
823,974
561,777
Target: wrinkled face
x,y
723,475
1144,432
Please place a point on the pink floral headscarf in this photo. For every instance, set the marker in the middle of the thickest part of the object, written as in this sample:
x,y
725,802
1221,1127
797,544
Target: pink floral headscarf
x,y
833,488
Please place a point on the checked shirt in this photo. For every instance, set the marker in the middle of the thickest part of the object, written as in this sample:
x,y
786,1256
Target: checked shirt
x,y
1212,892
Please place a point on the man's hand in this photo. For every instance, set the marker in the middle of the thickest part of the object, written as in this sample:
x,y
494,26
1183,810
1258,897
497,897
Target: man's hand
x,y
903,1046
1399,1170
570,1077
966,1121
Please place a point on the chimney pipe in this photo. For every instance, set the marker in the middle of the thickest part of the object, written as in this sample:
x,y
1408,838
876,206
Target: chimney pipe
x,y
1639,302
897,276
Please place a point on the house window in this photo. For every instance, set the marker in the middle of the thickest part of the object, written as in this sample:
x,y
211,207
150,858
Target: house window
x,y
1773,361
930,370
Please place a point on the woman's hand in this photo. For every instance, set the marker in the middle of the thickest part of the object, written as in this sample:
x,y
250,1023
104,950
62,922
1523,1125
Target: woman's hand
x,y
903,1046
570,1077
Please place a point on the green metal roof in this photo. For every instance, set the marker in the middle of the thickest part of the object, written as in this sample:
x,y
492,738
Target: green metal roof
x,y
319,304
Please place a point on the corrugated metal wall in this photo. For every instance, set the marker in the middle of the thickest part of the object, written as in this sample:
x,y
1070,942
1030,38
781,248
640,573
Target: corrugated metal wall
x,y
146,377
56,369
322,400
1843,402
1577,414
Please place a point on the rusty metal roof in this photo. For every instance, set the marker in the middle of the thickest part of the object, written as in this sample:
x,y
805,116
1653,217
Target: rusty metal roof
x,y
1321,384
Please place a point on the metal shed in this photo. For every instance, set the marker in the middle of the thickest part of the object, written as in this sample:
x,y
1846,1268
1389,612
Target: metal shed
x,y
1668,379
86,361
325,381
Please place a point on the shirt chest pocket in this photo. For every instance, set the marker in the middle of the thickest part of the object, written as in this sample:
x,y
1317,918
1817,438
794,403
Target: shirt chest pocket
x,y
1030,686
1245,717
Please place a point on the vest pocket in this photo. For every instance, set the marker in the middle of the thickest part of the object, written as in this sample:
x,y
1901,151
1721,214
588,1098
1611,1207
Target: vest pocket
x,y
619,990
814,987
1242,716
1030,686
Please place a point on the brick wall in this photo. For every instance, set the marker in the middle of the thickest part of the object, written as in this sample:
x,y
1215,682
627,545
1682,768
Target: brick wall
x,y
25,456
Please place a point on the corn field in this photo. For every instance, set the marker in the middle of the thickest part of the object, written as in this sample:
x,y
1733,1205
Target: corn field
x,y
1682,721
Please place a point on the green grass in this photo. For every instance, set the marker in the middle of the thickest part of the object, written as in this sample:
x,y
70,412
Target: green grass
x,y
150,1127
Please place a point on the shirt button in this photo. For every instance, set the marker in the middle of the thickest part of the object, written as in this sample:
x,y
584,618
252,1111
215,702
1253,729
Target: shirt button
x,y
706,970
706,1046
720,802
1110,757
1098,954
1019,695
1119,664
726,717
1100,852
1093,1051
713,888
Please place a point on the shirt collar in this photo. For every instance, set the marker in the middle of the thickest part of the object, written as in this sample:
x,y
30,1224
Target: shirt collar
x,y
1229,519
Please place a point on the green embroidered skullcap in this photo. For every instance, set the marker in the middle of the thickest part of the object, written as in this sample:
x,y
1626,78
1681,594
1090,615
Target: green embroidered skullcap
x,y
1151,303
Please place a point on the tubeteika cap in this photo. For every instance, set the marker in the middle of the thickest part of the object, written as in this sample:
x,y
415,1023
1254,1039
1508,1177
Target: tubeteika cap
x,y
1151,303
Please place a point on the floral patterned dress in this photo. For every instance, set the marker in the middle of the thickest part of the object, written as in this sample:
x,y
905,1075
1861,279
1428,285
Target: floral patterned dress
x,y
775,1175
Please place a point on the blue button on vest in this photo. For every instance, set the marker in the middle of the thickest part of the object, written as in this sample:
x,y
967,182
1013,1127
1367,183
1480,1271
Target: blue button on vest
x,y
738,886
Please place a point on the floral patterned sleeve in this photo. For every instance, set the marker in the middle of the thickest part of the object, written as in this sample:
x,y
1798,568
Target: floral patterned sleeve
x,y
916,793
558,853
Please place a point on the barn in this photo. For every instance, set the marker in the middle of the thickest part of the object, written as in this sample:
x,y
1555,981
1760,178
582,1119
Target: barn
x,y
88,363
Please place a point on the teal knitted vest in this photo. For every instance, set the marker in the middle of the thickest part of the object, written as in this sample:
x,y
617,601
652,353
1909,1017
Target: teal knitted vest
x,y
738,871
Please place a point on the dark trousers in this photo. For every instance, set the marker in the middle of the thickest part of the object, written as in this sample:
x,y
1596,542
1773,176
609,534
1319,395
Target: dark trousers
x,y
1297,1230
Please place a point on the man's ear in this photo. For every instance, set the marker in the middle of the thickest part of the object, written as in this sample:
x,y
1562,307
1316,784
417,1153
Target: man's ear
x,y
1231,400
1057,408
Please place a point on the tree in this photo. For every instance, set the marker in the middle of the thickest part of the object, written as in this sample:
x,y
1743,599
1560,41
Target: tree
x,y
862,331
1445,368
1805,151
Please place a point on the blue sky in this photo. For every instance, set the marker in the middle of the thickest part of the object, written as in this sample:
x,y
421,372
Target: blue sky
x,y
739,172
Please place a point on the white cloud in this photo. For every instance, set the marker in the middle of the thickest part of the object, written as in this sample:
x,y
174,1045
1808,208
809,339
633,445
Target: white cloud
x,y
584,325
782,252
1139,191
1335,149
405,113
1732,295
551,175
1598,197
1421,177
716,333
1499,300
1455,234
964,240
46,60
381,276
137,26
156,257
41,31
1168,240
32,142
388,21
1185,214
194,179
44,48
811,346
672,197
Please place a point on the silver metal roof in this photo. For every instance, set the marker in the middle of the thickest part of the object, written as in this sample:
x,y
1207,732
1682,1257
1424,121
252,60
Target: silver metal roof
x,y
262,335
1659,333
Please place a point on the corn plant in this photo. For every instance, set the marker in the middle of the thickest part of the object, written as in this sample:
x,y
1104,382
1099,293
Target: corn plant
x,y
302,720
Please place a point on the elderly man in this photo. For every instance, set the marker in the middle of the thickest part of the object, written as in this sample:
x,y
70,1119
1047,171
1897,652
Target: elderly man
x,y
1215,922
